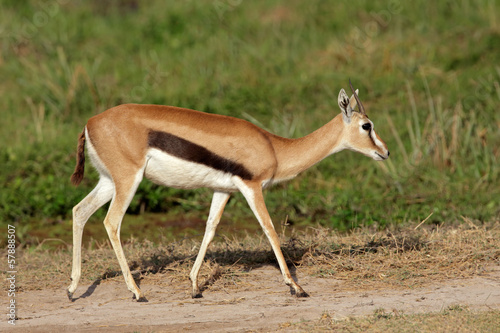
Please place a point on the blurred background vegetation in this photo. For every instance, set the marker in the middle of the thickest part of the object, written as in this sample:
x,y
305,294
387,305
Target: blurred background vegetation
x,y
428,75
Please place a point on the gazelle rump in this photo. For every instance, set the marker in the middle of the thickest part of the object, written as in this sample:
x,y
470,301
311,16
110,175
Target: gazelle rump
x,y
189,149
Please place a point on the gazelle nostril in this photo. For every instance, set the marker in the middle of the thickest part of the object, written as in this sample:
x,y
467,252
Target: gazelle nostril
x,y
388,153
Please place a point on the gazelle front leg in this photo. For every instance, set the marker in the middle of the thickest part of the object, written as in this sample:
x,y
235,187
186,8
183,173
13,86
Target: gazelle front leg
x,y
252,191
124,191
219,201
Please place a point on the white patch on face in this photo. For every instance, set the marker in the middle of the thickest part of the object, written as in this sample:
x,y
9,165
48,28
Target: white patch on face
x,y
376,140
364,121
168,170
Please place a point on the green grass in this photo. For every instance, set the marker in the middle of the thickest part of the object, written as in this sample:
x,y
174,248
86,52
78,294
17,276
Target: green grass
x,y
428,75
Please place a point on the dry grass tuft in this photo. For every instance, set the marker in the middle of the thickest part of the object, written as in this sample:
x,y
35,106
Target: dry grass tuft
x,y
403,257
407,257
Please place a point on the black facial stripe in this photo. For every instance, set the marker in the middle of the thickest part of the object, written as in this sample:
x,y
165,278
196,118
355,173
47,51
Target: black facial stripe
x,y
370,135
192,152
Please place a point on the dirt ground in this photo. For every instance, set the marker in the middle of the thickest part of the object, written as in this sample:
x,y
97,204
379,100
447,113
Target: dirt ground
x,y
255,301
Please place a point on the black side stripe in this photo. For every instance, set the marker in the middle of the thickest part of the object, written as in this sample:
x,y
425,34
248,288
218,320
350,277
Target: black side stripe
x,y
192,152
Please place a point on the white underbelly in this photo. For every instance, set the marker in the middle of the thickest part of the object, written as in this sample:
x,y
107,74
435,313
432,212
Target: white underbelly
x,y
168,170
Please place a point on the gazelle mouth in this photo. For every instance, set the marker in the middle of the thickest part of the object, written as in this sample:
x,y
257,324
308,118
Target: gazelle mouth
x,y
381,156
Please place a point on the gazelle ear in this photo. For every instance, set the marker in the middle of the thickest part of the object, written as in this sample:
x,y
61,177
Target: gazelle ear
x,y
345,106
352,100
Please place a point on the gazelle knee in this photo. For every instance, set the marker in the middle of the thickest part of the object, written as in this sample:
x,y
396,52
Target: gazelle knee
x,y
79,217
111,228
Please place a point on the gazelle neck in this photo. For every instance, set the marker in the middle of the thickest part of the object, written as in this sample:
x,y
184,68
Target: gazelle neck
x,y
297,155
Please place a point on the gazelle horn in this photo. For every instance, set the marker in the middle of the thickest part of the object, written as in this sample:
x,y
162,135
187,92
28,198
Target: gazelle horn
x,y
361,108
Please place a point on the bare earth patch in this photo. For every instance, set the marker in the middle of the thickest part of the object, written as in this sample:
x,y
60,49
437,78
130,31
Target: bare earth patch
x,y
255,301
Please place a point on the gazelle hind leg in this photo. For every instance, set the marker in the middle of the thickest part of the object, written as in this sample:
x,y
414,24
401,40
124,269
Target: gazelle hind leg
x,y
219,201
101,194
124,192
253,194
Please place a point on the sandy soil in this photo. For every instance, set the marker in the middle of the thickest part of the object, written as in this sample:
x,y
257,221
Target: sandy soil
x,y
257,301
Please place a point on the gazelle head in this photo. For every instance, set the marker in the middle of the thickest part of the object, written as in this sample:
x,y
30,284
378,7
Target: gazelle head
x,y
359,133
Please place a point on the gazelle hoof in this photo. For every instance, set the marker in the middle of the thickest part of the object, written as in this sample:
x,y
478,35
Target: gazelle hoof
x,y
301,293
196,295
142,299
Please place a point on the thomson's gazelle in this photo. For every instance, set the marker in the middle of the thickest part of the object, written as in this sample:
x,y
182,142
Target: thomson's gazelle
x,y
190,149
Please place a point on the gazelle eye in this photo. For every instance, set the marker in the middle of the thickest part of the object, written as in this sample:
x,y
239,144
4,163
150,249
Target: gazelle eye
x,y
367,126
